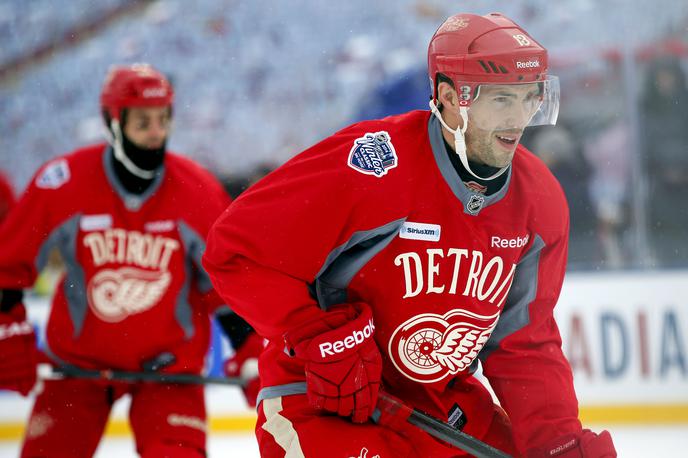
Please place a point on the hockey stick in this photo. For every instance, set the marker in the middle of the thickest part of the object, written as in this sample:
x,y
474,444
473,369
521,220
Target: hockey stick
x,y
57,372
437,428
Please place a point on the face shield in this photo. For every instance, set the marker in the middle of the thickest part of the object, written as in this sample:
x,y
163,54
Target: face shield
x,y
498,113
512,106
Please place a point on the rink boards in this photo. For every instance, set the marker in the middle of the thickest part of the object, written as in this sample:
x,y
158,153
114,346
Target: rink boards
x,y
625,334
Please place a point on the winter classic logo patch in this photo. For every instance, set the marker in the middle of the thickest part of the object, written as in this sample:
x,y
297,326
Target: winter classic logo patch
x,y
429,347
373,154
54,175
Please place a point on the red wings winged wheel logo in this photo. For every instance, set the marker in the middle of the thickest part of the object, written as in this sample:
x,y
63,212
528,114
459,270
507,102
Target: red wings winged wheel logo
x,y
429,347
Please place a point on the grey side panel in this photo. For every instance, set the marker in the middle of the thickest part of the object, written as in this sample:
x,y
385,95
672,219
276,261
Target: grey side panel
x,y
344,261
281,390
516,313
195,245
63,237
183,312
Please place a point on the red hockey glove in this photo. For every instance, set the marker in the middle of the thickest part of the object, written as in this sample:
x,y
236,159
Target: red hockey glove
x,y
18,352
343,363
244,364
585,445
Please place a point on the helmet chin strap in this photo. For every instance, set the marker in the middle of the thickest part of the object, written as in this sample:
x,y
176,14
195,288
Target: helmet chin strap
x,y
121,156
460,141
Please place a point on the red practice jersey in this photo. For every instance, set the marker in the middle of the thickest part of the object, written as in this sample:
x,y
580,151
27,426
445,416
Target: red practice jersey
x,y
133,286
377,213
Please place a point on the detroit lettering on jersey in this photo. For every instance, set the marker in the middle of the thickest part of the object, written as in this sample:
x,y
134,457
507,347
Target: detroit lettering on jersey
x,y
117,292
485,280
130,247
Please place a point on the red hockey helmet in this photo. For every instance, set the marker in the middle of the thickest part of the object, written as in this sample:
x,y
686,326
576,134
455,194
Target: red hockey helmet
x,y
473,50
137,85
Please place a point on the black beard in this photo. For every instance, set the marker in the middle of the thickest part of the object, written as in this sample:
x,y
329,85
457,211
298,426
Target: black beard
x,y
149,159
144,158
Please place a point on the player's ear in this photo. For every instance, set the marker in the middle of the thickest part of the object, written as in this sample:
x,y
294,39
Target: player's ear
x,y
447,95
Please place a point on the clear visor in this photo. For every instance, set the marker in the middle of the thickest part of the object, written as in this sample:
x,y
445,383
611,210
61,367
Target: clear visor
x,y
515,106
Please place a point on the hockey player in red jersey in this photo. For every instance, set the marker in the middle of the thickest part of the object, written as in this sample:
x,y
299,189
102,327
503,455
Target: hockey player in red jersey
x,y
129,220
398,253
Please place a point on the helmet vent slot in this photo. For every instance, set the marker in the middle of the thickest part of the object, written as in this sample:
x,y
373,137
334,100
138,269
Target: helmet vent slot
x,y
491,67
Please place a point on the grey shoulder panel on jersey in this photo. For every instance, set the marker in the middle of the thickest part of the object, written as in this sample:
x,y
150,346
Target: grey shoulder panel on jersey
x,y
63,237
347,259
271,392
516,313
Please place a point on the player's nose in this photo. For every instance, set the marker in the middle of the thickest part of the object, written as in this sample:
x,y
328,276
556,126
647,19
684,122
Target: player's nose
x,y
157,133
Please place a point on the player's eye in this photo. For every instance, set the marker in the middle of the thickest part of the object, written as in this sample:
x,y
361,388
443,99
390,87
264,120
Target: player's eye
x,y
501,101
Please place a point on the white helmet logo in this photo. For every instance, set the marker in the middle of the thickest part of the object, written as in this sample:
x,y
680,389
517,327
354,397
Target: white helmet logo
x,y
522,39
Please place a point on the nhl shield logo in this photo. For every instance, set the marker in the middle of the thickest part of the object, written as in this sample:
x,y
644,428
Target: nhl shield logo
x,y
373,154
475,204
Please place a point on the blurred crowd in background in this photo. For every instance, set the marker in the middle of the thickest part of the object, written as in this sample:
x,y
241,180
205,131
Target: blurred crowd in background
x,y
259,81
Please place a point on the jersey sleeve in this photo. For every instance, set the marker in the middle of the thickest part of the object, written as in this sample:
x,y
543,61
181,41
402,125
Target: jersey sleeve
x,y
25,236
523,360
267,248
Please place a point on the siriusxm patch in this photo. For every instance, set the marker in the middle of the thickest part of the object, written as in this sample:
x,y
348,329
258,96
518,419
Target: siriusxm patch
x,y
95,222
373,154
420,231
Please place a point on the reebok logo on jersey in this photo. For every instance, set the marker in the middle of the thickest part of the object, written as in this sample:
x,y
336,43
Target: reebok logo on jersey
x,y
516,242
356,338
165,225
420,231
373,154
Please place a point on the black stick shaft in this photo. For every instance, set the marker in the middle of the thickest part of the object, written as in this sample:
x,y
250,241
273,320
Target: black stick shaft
x,y
443,431
153,377
389,405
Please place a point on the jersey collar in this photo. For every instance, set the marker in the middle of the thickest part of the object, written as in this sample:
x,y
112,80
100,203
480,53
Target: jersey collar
x,y
473,202
133,202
